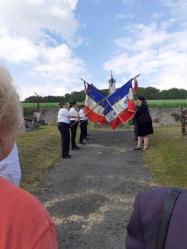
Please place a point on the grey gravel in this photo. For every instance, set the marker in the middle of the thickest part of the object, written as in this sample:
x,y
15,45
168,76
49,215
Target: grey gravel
x,y
90,197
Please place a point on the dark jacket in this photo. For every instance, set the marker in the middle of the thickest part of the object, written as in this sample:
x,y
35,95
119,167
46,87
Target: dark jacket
x,y
143,120
144,223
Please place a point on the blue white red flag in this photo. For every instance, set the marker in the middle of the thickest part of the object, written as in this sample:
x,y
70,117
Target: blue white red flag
x,y
120,106
95,104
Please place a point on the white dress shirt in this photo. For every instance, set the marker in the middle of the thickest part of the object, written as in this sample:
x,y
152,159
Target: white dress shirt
x,y
10,167
63,116
74,112
82,115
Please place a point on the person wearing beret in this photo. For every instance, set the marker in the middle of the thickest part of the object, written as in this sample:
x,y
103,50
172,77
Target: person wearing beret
x,y
144,124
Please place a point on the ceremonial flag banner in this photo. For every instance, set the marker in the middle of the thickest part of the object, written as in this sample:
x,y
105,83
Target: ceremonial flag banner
x,y
95,104
120,106
135,86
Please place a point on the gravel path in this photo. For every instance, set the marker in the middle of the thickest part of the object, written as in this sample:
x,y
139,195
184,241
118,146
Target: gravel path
x,y
90,196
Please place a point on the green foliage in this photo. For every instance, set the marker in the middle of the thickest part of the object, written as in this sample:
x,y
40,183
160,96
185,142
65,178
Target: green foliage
x,y
40,99
77,96
150,93
173,93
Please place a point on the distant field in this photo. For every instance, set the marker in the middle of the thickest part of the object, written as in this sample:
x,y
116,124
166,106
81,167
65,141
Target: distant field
x,y
165,103
42,105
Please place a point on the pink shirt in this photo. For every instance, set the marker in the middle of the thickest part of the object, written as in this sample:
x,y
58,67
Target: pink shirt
x,y
24,222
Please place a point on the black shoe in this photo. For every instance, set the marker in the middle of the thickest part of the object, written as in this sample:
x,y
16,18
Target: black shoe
x,y
66,157
82,142
76,148
138,148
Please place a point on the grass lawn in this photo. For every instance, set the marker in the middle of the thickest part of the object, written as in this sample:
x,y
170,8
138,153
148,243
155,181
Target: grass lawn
x,y
167,157
38,150
167,103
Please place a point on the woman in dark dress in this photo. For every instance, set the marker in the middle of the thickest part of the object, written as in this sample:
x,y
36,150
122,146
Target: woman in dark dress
x,y
144,124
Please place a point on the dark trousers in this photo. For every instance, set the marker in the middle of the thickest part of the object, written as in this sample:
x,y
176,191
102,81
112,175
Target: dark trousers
x,y
86,129
65,138
83,128
73,128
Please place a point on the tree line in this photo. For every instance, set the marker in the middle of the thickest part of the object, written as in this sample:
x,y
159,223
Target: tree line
x,y
150,93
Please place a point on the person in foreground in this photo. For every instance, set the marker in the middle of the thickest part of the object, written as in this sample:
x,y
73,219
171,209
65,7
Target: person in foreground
x,y
143,123
25,224
159,220
10,167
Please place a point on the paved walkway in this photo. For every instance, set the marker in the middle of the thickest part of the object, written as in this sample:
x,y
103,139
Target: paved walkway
x,y
90,196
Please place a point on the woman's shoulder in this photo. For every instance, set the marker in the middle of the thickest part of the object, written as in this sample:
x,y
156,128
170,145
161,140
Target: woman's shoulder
x,y
19,201
24,217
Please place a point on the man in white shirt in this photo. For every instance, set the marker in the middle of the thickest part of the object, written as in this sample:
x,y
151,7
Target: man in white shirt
x,y
83,125
63,126
73,124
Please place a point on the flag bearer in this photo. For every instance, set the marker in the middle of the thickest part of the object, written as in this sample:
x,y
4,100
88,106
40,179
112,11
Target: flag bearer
x,y
63,126
83,125
73,124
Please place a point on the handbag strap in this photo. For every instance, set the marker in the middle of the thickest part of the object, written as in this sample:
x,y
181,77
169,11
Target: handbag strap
x,y
169,204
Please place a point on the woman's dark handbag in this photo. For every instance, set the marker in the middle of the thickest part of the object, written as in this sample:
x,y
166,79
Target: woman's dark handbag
x,y
169,204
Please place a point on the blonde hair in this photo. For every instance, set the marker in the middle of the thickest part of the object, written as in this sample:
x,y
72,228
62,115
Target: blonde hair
x,y
11,116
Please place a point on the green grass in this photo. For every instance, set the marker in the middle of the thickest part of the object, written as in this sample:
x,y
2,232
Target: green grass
x,y
167,103
38,150
167,157
42,105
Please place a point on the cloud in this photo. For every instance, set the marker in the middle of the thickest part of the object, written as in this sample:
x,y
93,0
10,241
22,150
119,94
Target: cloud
x,y
178,8
160,55
16,49
31,18
37,38
56,71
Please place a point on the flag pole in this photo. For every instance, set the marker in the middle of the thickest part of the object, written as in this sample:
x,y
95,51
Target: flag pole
x,y
138,75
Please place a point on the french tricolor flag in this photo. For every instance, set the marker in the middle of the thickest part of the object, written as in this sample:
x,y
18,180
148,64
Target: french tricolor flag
x,y
120,106
95,104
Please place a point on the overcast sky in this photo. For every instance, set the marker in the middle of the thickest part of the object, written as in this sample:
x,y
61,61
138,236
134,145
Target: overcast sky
x,y
48,44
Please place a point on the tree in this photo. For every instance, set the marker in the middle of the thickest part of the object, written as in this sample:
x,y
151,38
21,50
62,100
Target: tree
x,y
173,93
148,93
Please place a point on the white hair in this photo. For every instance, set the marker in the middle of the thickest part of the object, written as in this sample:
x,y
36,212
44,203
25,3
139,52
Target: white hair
x,y
11,116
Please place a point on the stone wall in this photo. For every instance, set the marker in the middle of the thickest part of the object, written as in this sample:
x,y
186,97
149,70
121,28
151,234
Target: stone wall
x,y
162,116
165,116
50,116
